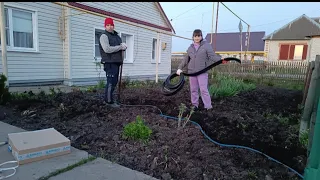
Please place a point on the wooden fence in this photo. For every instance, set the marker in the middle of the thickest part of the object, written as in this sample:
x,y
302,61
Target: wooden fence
x,y
294,70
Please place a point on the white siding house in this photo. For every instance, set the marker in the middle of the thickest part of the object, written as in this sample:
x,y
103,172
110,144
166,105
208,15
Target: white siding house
x,y
49,43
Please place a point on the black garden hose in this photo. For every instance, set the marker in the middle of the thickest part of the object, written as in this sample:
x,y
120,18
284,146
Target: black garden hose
x,y
169,89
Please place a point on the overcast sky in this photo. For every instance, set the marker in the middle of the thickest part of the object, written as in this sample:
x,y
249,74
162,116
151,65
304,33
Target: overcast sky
x,y
262,16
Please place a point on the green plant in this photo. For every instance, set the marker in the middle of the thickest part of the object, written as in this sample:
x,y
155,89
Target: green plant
x,y
252,175
137,130
304,138
188,117
229,86
182,109
101,84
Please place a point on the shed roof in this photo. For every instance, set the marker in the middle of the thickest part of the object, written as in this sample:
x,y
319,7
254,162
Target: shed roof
x,y
298,29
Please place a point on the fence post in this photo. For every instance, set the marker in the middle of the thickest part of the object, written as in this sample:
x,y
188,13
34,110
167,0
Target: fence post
x,y
307,81
312,170
310,100
315,101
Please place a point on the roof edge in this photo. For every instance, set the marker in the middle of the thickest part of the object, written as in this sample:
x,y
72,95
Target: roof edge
x,y
115,15
165,16
268,37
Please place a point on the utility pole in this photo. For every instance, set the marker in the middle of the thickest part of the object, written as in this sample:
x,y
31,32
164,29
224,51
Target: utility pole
x,y
215,35
212,22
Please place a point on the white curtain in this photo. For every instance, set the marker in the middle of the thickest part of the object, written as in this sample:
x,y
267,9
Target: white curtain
x,y
22,29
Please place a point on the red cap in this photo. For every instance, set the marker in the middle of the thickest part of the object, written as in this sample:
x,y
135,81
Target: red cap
x,y
108,21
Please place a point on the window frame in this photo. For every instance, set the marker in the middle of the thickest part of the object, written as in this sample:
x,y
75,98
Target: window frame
x,y
289,50
96,59
34,13
131,53
153,61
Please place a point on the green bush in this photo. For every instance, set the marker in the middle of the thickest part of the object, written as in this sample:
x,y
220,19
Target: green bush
x,y
137,130
229,86
4,91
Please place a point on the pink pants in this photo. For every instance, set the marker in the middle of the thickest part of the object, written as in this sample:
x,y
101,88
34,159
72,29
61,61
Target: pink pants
x,y
196,82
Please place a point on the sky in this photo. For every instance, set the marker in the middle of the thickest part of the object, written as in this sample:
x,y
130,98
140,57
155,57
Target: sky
x,y
261,16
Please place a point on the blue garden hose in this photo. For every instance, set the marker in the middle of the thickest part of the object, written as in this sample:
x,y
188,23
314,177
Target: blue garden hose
x,y
220,144
234,146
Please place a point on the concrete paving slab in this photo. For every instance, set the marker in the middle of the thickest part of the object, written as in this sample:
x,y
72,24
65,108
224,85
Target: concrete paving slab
x,y
102,169
35,170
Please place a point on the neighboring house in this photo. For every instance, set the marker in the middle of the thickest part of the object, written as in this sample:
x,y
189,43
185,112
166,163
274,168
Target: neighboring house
x,y
49,43
228,45
299,40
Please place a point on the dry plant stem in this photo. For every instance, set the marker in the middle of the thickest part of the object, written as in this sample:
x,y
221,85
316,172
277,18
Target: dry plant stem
x,y
188,117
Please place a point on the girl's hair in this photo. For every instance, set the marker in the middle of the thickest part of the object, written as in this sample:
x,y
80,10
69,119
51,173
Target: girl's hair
x,y
197,32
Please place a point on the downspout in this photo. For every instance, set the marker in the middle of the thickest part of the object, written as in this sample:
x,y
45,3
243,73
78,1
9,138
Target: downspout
x,y
4,43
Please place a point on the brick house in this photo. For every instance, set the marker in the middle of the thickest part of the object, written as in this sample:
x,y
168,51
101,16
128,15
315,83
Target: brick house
x,y
299,40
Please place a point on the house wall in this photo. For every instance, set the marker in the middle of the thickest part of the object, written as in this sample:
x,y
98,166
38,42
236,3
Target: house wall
x,y
46,64
82,41
273,48
314,48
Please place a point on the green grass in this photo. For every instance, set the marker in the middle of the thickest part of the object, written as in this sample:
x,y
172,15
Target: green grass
x,y
229,86
68,168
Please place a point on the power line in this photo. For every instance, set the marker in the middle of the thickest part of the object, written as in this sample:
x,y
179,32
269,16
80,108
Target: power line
x,y
234,13
188,10
253,26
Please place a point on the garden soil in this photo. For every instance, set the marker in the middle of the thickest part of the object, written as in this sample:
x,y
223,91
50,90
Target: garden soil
x,y
260,119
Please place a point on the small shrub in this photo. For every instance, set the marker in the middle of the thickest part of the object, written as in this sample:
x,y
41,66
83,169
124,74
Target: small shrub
x,y
101,84
229,86
304,139
137,130
5,96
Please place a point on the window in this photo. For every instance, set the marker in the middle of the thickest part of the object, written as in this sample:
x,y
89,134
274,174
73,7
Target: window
x,y
126,38
20,29
97,35
154,51
293,52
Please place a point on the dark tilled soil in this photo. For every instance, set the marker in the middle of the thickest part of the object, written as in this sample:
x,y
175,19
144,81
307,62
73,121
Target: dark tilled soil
x,y
172,153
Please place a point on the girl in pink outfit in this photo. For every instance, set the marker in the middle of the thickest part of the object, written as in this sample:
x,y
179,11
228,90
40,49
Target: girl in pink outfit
x,y
199,55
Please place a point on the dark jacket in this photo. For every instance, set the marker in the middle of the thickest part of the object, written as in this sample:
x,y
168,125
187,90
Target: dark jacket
x,y
199,59
110,48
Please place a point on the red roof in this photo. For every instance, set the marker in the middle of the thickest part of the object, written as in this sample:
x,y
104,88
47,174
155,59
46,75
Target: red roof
x,y
115,15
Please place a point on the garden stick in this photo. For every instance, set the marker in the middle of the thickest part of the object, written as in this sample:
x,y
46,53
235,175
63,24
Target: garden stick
x,y
120,74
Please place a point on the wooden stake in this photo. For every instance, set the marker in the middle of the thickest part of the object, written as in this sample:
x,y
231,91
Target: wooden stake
x,y
157,56
120,74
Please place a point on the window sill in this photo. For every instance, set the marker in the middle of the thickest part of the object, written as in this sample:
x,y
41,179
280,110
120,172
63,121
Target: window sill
x,y
128,62
124,62
23,50
155,63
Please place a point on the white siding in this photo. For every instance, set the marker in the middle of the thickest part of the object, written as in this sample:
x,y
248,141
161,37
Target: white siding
x,y
274,47
144,11
47,64
314,48
82,42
